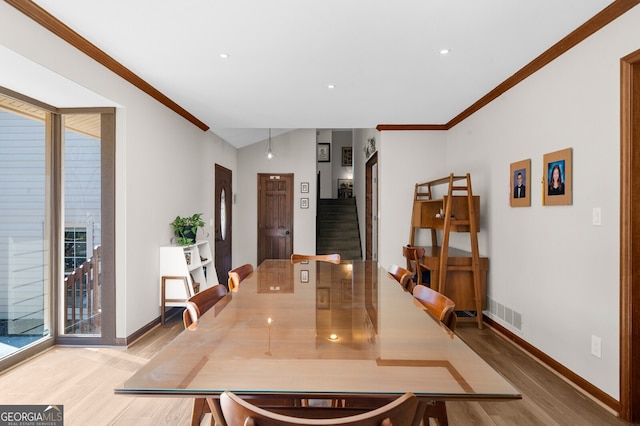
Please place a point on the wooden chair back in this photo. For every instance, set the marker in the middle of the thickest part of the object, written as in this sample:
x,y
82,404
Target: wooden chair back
x,y
403,276
331,258
438,304
237,411
237,275
200,303
413,256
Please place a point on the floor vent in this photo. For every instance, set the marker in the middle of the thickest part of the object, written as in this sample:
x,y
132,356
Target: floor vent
x,y
505,313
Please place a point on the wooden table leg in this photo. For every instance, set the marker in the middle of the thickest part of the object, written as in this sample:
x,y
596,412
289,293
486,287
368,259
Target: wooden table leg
x,y
200,408
216,411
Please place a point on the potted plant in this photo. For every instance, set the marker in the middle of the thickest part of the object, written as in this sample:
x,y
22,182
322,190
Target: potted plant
x,y
185,228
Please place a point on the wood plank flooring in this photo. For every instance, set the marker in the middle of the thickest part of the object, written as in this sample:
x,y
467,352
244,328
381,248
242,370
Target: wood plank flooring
x,y
83,379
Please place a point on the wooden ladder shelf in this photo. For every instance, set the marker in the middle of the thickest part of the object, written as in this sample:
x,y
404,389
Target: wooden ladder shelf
x,y
457,211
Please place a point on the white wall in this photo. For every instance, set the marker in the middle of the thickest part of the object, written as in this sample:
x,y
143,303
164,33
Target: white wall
x,y
404,159
164,163
295,152
548,263
339,139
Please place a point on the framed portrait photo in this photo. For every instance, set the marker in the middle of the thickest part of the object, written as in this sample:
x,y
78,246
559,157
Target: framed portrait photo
x,y
324,152
520,184
557,185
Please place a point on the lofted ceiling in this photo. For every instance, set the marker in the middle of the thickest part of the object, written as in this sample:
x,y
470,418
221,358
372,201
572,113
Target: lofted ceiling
x,y
382,57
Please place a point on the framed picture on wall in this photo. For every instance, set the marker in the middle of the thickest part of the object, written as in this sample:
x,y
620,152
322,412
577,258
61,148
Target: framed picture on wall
x,y
322,298
520,179
557,187
347,156
324,152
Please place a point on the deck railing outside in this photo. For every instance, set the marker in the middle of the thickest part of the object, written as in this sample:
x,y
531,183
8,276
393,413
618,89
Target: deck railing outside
x,y
82,301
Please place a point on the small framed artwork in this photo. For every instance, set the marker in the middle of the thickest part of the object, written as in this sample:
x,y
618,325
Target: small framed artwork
x,y
304,203
304,187
304,275
557,185
347,156
322,298
324,152
520,177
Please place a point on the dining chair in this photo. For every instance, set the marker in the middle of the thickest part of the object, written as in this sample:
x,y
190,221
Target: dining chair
x,y
403,276
332,258
237,411
196,306
442,308
438,304
421,275
200,303
237,275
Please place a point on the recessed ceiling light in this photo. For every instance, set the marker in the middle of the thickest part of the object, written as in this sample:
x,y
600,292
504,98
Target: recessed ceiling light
x,y
224,55
444,51
331,86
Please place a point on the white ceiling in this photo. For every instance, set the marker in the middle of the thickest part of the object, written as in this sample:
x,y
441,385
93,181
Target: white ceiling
x,y
382,56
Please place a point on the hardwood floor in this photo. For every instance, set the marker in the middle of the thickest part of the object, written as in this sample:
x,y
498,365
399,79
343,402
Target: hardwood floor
x,y
83,379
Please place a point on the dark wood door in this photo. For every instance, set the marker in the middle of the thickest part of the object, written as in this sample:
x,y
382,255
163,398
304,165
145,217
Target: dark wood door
x,y
275,216
222,225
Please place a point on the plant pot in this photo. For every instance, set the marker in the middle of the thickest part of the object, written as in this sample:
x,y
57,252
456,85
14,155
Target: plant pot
x,y
188,233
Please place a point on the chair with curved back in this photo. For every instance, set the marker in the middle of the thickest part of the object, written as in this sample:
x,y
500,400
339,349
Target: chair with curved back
x,y
442,308
438,304
331,258
413,255
237,275
403,276
196,306
200,303
399,412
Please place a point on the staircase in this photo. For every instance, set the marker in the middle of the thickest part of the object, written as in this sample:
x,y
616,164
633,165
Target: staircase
x,y
337,228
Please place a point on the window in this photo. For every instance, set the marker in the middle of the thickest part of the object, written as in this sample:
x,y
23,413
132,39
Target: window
x,y
75,248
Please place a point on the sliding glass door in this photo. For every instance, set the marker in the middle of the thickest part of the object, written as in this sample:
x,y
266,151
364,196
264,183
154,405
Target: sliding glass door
x,y
81,183
25,227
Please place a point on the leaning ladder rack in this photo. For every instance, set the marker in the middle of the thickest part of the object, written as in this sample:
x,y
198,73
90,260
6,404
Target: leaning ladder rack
x,y
460,213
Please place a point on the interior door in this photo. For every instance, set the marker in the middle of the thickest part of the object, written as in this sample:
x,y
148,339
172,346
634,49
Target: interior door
x,y
275,216
222,225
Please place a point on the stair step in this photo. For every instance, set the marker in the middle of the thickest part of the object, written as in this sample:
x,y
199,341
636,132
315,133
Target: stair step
x,y
345,226
337,246
339,234
336,201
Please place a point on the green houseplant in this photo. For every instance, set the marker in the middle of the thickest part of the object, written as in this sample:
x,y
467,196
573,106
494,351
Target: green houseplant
x,y
185,228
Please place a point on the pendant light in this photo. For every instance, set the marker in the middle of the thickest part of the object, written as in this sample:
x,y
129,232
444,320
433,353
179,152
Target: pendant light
x,y
270,153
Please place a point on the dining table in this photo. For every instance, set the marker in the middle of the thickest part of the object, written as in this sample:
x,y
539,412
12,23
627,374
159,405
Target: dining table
x,y
319,330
